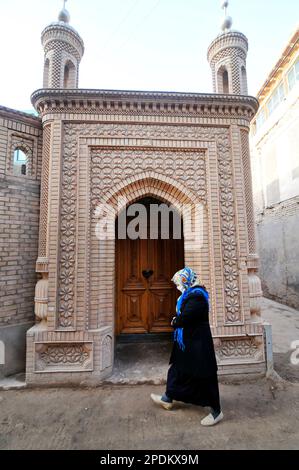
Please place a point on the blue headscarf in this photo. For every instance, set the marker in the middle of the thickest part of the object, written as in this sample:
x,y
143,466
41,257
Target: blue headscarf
x,y
185,280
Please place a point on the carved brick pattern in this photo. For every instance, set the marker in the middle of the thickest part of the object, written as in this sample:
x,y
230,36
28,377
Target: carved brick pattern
x,y
72,354
248,191
228,227
64,35
43,225
244,348
68,231
111,166
218,111
56,72
58,62
235,57
68,203
236,70
61,46
63,356
145,132
61,42
56,75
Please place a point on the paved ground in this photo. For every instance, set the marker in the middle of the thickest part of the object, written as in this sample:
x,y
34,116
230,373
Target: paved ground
x,y
258,415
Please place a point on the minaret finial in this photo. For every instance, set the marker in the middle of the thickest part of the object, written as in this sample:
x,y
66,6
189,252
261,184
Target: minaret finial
x,y
228,21
64,14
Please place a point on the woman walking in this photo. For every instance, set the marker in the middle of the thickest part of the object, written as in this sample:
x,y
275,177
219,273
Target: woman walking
x,y
192,376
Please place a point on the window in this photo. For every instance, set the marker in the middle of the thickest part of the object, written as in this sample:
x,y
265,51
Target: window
x,y
69,75
20,156
244,89
293,75
20,162
66,76
276,98
46,74
261,118
225,82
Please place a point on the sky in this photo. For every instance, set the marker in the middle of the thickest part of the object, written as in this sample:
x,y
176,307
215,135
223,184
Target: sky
x,y
155,45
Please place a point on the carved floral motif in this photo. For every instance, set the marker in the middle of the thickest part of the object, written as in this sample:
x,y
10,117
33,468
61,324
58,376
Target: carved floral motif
x,y
63,356
112,165
229,234
73,354
68,231
243,348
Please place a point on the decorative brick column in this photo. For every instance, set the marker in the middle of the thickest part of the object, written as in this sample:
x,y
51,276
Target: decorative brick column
x,y
255,285
41,290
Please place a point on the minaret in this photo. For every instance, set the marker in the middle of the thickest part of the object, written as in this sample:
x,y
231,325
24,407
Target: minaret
x,y
63,49
227,57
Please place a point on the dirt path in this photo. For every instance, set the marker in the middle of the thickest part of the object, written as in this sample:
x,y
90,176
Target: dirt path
x,y
258,416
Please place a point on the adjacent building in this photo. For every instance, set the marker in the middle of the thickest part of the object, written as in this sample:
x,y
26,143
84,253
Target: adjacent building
x,y
275,167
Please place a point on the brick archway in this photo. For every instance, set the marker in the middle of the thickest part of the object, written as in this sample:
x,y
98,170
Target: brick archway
x,y
196,250
164,187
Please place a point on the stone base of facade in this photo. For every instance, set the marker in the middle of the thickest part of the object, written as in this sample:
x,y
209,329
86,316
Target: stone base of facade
x,y
67,358
240,350
86,358
13,349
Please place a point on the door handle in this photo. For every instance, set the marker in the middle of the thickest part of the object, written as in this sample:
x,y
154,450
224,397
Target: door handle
x,y
147,273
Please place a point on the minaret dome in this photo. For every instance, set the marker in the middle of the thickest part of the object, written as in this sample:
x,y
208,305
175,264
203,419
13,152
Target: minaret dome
x,y
63,49
227,56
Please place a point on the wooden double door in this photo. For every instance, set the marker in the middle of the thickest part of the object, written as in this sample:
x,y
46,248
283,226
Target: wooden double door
x,y
145,296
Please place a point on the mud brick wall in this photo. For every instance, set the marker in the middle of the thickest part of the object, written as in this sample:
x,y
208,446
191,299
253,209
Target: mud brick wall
x,y
19,216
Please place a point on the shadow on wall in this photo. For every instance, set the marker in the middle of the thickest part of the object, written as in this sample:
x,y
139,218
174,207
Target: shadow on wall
x,y
13,349
2,358
278,229
273,193
2,353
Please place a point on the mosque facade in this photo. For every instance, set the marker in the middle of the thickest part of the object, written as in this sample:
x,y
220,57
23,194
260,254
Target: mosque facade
x,y
90,152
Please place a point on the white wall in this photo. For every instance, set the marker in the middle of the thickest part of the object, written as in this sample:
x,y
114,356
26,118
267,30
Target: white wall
x,y
275,154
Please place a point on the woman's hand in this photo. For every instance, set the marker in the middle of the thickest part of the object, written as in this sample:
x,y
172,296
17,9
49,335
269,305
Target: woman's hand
x,y
173,321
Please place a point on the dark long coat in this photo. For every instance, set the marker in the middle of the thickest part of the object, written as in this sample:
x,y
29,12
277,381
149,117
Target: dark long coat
x,y
198,359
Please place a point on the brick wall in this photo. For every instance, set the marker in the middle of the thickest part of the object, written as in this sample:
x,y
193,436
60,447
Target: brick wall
x,y
19,217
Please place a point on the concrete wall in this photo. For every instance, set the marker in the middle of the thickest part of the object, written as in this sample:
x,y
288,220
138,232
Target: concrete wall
x,y
278,242
19,225
12,358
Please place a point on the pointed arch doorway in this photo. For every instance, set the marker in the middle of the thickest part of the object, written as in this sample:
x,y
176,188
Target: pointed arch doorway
x,y
145,296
